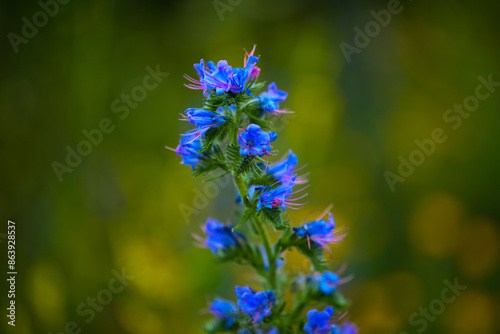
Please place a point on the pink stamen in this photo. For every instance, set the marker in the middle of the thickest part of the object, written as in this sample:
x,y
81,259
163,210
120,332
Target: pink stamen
x,y
189,134
346,279
342,269
328,208
298,191
302,167
198,82
277,111
171,149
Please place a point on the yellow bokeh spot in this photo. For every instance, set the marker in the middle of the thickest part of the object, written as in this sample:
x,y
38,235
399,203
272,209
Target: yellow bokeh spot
x,y
155,270
472,313
406,292
374,314
480,249
435,225
138,318
46,288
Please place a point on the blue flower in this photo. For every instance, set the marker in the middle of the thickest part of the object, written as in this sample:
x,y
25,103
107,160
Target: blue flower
x,y
349,328
219,236
271,98
223,78
276,197
328,282
283,170
203,119
255,141
256,304
224,310
345,328
279,196
320,232
317,322
188,149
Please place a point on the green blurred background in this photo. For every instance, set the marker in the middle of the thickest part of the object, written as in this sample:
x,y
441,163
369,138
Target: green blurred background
x,y
121,206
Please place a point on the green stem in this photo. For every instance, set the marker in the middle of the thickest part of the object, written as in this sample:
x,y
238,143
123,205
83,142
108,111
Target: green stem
x,y
237,120
261,230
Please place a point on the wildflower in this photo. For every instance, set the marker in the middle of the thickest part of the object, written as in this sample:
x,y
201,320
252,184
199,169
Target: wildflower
x,y
223,78
345,328
188,149
203,119
224,310
219,236
320,232
255,141
317,322
280,196
328,282
285,169
256,304
270,99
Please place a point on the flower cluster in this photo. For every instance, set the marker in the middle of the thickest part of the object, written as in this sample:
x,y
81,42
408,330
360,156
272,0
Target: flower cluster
x,y
233,137
223,78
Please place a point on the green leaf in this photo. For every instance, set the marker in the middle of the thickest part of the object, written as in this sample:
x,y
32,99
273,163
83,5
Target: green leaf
x,y
249,212
211,162
239,165
275,217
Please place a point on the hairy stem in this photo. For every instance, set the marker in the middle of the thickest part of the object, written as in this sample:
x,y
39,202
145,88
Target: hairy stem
x,y
237,120
261,230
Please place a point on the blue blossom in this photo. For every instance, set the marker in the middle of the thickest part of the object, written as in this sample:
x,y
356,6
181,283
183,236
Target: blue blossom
x,y
223,78
270,99
255,141
328,282
203,119
256,304
320,232
188,149
219,236
276,197
224,310
345,328
317,322
285,169
280,196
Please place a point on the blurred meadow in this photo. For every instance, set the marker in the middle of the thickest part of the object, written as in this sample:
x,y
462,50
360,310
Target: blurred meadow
x,y
123,206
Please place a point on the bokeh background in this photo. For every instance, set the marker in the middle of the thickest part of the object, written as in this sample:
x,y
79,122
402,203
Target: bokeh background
x,y
121,206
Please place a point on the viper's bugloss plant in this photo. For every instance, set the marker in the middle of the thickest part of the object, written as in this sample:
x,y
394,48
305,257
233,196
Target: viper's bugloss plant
x,y
233,136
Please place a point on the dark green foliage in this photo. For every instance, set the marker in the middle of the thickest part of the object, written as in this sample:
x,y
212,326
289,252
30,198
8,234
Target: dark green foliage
x,y
211,162
247,166
275,217
213,134
214,101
